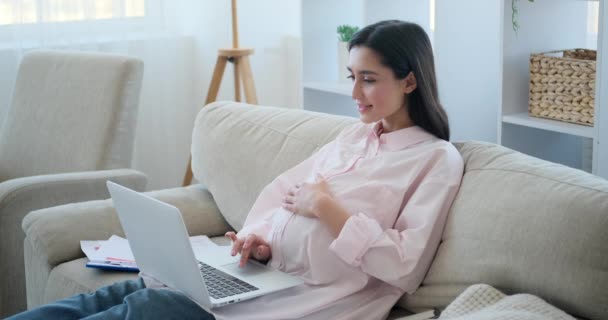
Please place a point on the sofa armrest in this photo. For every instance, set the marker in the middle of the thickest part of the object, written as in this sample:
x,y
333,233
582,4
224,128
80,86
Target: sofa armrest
x,y
55,233
22,195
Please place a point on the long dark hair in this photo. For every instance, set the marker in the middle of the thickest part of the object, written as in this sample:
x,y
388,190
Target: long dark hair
x,y
405,47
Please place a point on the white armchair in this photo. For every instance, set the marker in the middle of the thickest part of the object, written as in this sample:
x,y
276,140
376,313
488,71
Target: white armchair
x,y
70,128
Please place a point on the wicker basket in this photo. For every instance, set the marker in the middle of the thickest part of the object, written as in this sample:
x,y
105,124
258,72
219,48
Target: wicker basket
x,y
562,85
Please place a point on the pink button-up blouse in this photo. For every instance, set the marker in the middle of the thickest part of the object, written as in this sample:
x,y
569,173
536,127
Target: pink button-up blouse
x,y
398,188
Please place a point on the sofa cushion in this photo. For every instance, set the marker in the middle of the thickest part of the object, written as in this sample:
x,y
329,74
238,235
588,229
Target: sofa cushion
x,y
70,278
73,277
523,225
236,152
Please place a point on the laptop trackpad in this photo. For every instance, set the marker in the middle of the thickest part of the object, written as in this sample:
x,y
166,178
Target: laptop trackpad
x,y
250,269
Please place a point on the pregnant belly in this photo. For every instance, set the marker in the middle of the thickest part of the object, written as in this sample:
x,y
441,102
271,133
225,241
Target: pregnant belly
x,y
305,247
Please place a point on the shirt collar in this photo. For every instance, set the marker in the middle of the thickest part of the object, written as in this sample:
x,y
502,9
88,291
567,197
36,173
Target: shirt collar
x,y
400,139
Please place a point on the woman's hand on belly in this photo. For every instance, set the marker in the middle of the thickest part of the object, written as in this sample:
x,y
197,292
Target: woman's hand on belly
x,y
251,246
315,200
304,198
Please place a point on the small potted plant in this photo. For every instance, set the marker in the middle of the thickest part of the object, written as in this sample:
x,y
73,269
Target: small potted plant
x,y
345,33
514,13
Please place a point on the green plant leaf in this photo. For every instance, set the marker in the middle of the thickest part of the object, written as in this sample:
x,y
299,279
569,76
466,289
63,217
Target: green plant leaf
x,y
346,32
514,13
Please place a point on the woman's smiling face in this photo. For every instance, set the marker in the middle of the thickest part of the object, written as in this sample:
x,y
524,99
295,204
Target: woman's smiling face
x,y
378,94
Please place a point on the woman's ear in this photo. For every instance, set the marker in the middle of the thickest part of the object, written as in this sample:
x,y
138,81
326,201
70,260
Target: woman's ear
x,y
409,83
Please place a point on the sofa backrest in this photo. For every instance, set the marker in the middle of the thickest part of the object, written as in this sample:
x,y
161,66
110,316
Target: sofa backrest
x,y
523,225
518,223
237,149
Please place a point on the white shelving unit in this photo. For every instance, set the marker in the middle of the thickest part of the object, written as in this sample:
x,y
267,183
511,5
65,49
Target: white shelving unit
x,y
523,119
483,75
600,149
482,68
323,91
546,25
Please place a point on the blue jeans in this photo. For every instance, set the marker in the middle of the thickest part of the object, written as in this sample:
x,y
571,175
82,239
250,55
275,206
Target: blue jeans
x,y
122,300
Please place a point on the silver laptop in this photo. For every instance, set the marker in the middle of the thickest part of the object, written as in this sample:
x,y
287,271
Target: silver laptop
x,y
161,247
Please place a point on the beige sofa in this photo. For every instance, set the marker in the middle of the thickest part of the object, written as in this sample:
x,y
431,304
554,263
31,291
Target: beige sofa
x,y
518,223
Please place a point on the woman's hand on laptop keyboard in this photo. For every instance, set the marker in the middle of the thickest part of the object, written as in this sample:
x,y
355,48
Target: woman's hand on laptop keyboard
x,y
252,246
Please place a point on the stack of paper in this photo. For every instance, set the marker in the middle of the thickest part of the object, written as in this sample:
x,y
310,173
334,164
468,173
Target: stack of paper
x,y
115,253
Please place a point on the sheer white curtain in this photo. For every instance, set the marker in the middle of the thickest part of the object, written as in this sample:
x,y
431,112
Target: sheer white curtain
x,y
149,29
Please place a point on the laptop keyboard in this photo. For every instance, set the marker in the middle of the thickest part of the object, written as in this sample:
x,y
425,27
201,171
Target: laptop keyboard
x,y
221,285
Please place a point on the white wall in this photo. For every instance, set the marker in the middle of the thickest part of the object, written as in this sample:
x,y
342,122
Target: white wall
x,y
165,112
271,27
417,11
468,59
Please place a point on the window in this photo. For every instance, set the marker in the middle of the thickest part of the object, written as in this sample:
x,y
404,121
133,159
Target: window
x,y
35,11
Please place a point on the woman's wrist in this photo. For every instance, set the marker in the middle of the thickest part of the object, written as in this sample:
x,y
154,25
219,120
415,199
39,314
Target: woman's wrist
x,y
322,204
331,213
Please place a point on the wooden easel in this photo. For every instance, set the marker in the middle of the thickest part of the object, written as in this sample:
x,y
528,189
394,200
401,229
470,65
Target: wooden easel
x,y
242,69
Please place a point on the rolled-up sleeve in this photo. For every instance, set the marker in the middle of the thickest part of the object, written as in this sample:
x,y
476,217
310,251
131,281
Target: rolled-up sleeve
x,y
401,256
357,236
